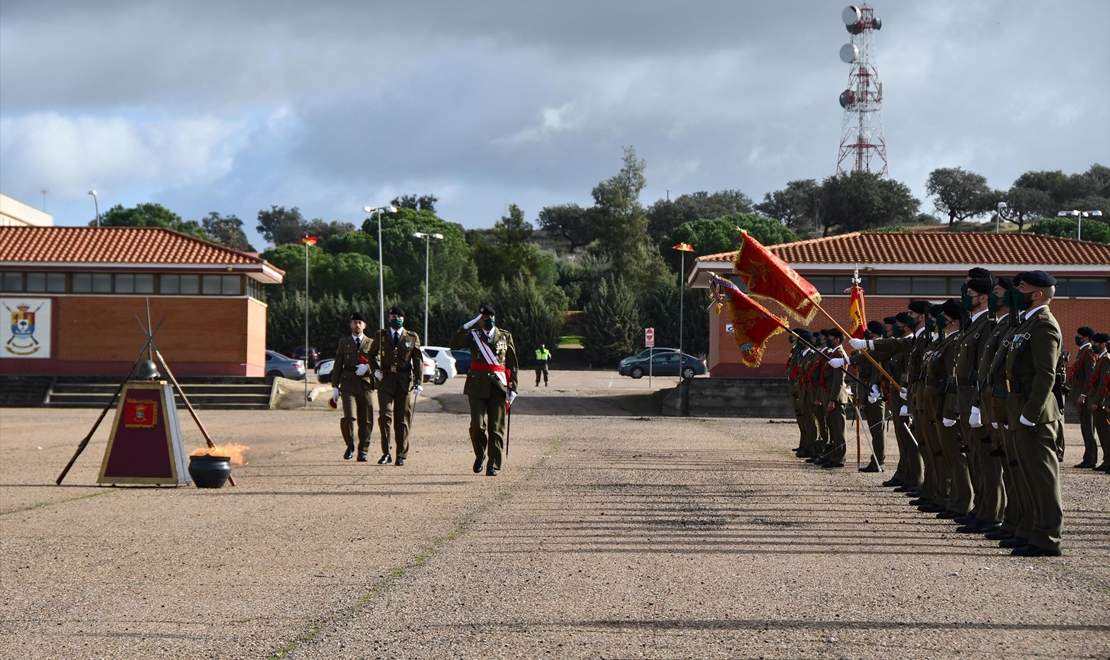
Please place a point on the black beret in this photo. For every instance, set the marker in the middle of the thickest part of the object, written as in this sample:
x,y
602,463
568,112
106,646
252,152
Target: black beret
x,y
976,273
934,310
357,316
1004,282
1085,332
1016,280
980,285
833,332
919,306
486,309
804,334
396,311
952,308
902,317
1100,338
890,320
1038,278
876,326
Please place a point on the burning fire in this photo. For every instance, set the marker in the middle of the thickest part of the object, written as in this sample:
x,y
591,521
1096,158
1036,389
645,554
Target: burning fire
x,y
232,450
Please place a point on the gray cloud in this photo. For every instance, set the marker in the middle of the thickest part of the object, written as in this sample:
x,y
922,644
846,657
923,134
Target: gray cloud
x,y
236,106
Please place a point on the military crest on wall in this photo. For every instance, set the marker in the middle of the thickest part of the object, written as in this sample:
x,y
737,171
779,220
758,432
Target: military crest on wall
x,y
28,333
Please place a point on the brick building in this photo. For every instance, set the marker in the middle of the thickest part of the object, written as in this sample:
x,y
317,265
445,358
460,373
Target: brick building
x,y
72,294
895,267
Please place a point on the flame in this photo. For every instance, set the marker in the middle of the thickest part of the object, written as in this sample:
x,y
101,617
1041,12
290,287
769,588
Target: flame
x,y
231,449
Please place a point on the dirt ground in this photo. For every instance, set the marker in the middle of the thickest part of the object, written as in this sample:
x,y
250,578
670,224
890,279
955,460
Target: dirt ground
x,y
610,533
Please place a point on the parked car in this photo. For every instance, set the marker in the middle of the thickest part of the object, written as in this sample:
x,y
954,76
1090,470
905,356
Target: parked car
x,y
313,355
323,370
284,366
462,361
643,355
666,364
445,363
429,366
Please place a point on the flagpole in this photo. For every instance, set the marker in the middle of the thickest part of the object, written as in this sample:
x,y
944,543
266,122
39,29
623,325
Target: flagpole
x,y
306,321
681,288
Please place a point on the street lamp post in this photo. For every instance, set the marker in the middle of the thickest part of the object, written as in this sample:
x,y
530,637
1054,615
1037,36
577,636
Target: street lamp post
x,y
97,205
1079,215
427,269
682,248
998,217
381,268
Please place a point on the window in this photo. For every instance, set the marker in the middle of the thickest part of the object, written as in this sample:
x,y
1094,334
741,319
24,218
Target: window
x,y
168,285
144,283
125,283
230,284
56,282
930,286
82,283
13,281
1086,288
36,282
824,285
102,283
892,286
190,285
210,285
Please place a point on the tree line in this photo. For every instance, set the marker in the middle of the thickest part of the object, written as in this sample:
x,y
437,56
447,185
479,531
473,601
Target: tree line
x,y
611,262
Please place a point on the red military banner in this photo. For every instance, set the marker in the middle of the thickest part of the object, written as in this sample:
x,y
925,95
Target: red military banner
x,y
767,276
856,313
140,414
752,324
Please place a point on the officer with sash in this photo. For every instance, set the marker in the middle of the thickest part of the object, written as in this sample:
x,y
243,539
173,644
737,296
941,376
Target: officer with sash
x,y
351,381
399,371
491,385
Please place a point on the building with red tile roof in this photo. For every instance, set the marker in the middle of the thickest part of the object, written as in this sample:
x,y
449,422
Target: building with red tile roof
x,y
72,294
897,266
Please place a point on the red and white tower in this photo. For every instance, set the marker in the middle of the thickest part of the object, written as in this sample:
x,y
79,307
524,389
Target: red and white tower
x,y
861,139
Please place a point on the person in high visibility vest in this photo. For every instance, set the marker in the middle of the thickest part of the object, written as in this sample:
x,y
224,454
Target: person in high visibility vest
x,y
542,356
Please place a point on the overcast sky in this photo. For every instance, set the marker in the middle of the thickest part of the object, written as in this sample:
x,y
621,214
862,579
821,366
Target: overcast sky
x,y
236,106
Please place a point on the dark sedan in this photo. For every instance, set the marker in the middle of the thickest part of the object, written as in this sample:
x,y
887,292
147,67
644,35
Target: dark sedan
x,y
462,361
664,364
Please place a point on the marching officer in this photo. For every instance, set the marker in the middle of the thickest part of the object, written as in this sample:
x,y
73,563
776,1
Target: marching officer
x,y
542,356
399,371
491,385
1096,395
1034,413
835,394
351,381
1080,375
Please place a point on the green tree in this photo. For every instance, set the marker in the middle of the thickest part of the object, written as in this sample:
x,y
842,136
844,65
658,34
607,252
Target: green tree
x,y
717,235
150,215
960,194
664,215
227,230
861,200
659,309
570,221
797,206
1067,227
506,251
417,203
610,324
621,222
1025,205
533,314
280,226
328,318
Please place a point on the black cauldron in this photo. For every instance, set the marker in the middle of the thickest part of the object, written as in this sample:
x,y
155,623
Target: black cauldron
x,y
209,471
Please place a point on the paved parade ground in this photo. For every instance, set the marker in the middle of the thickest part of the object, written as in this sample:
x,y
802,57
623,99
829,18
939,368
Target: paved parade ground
x,y
610,533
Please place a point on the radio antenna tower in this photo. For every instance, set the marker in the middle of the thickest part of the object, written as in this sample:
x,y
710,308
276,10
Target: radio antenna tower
x,y
861,138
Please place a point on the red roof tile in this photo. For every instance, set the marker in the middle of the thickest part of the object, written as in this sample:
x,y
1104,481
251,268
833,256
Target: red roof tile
x,y
116,245
937,248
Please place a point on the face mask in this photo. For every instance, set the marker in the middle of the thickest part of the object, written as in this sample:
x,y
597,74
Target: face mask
x,y
897,331
1026,300
867,334
942,322
1078,340
1015,299
828,343
930,324
396,324
789,339
914,321
488,323
994,303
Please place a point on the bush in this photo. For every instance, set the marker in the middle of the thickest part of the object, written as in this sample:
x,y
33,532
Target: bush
x,y
1093,230
611,327
534,315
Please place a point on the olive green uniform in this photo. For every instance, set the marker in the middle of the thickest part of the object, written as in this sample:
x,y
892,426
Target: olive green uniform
x,y
355,391
835,393
986,470
1098,395
1031,362
806,396
940,391
486,392
873,413
1081,375
401,364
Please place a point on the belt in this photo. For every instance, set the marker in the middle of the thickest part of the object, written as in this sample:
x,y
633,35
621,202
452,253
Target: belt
x,y
1020,388
930,381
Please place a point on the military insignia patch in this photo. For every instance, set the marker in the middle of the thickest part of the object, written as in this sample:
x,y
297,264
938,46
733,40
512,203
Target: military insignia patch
x,y
140,414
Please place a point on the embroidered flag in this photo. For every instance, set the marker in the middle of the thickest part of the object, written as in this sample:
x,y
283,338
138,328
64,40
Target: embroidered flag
x,y
856,313
752,324
767,276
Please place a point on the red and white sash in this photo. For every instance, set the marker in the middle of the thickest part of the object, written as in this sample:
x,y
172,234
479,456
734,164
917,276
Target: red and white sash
x,y
491,364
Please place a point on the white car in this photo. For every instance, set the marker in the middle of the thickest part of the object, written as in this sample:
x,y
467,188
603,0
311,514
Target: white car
x,y
324,367
445,363
429,366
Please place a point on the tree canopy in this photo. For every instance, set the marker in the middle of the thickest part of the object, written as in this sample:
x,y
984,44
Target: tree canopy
x,y
150,215
960,194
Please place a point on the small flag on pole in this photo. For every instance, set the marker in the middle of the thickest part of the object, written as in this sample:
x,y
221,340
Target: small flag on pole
x,y
767,276
684,247
307,240
856,313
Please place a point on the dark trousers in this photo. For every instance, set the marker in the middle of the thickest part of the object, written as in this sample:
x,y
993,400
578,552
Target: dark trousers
x,y
487,427
1087,428
875,414
541,368
394,416
357,408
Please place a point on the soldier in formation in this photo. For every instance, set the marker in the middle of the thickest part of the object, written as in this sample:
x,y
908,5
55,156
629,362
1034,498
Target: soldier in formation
x,y
352,382
399,374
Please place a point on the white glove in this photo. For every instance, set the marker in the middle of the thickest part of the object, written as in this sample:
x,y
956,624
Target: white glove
x,y
975,419
858,344
904,393
904,412
871,398
1006,426
949,423
875,394
994,425
418,390
335,394
1026,421
836,363
512,397
361,369
471,322
377,375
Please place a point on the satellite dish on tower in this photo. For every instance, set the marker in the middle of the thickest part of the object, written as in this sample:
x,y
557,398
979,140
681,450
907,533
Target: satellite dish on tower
x,y
851,14
848,53
876,23
854,28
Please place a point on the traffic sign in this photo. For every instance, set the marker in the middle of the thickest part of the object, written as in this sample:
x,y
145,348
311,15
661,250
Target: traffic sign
x,y
649,337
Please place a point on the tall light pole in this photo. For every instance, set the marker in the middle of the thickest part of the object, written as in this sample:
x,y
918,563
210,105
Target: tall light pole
x,y
1079,215
427,269
998,217
96,204
306,241
683,248
381,268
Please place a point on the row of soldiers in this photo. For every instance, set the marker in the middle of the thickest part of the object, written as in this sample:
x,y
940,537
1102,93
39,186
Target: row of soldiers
x,y
975,390
1089,381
